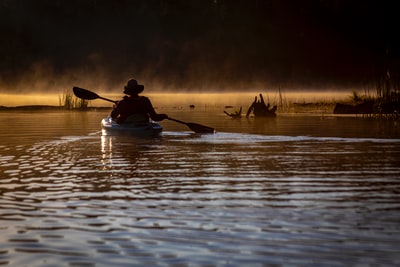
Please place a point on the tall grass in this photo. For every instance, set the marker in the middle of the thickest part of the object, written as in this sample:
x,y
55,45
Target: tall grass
x,y
282,102
69,101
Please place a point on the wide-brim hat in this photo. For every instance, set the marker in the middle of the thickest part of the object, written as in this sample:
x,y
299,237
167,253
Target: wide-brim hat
x,y
133,88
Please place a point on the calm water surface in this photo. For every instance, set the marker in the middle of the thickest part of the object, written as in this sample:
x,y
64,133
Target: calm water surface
x,y
298,190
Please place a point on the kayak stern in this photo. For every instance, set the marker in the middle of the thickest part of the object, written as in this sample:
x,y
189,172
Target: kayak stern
x,y
110,127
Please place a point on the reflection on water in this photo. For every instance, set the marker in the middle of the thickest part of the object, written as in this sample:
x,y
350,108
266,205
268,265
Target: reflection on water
x,y
292,191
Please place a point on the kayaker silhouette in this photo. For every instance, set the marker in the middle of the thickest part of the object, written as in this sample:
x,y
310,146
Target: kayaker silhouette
x,y
133,108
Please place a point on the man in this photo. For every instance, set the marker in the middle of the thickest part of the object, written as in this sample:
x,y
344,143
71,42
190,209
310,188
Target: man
x,y
134,108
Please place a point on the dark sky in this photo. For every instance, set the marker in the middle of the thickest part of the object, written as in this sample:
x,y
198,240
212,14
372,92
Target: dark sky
x,y
199,44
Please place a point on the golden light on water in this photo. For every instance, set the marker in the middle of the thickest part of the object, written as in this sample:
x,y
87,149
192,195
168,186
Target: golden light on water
x,y
183,99
12,100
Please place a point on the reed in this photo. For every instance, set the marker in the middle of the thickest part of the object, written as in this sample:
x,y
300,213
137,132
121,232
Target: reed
x,y
69,101
283,103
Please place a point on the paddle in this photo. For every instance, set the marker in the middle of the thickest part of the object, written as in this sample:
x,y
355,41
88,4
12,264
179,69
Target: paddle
x,y
195,127
89,95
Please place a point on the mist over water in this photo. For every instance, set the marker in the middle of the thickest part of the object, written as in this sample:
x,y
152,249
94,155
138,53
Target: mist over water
x,y
196,46
182,100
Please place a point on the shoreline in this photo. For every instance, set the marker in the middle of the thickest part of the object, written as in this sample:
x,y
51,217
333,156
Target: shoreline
x,y
50,108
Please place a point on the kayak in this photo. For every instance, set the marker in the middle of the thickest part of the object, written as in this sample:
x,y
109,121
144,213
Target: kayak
x,y
110,127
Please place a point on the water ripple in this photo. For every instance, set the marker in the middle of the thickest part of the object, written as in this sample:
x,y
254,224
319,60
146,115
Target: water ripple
x,y
217,200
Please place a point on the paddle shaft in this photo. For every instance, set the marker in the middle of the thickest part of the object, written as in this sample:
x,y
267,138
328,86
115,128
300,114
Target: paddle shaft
x,y
109,100
172,119
195,127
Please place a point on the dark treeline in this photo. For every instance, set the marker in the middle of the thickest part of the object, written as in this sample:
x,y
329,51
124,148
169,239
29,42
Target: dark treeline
x,y
204,43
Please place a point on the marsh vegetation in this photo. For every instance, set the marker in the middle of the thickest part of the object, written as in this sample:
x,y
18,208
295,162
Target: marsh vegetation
x,y
69,101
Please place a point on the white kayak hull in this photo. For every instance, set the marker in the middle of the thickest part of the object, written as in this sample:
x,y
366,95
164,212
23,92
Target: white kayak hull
x,y
110,127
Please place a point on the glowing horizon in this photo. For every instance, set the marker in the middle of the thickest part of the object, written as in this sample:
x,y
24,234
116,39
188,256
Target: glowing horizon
x,y
185,98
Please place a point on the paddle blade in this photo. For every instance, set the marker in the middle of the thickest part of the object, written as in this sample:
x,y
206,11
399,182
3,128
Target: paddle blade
x,y
198,128
84,94
195,127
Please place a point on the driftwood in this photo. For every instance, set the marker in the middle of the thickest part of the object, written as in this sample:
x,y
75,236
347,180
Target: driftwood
x,y
389,110
363,108
236,114
260,109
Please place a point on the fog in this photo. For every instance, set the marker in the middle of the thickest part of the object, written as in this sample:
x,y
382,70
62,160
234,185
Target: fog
x,y
181,101
197,46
